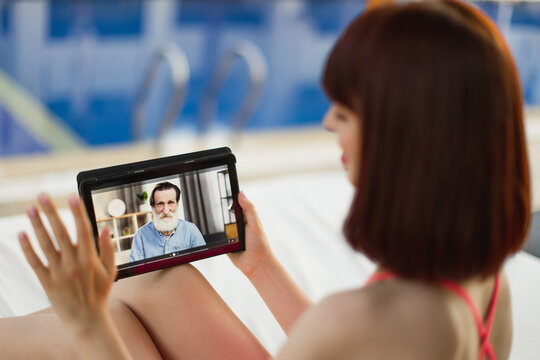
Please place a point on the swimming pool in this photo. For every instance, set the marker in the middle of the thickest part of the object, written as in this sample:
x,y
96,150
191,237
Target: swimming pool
x,y
84,61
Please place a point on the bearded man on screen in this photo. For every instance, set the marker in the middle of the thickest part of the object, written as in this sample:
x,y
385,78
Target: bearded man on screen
x,y
166,233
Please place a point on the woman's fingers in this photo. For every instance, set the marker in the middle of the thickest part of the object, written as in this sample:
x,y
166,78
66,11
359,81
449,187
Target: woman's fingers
x,y
246,205
107,252
250,214
84,231
58,227
43,236
41,270
67,254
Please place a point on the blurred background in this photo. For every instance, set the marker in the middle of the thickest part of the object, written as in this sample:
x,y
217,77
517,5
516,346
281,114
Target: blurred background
x,y
81,65
84,62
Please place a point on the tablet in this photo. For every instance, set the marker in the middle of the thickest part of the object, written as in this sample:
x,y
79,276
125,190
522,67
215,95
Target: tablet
x,y
167,211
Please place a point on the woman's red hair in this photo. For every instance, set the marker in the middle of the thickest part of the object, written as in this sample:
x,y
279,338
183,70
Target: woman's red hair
x,y
443,190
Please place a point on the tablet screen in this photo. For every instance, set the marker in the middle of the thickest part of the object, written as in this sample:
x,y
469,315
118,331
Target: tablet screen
x,y
159,219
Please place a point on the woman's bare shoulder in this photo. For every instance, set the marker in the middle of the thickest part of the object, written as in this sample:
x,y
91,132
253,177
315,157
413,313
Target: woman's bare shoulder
x,y
372,322
325,330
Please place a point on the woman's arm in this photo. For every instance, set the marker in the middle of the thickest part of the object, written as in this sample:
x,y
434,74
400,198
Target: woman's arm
x,y
77,280
281,294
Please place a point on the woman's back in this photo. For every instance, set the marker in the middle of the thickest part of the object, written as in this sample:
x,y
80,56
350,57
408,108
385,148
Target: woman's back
x,y
395,318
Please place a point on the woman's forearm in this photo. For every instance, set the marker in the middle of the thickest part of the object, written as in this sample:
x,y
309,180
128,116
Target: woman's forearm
x,y
280,292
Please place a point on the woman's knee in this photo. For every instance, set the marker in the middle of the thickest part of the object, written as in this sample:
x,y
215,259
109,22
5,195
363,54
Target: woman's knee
x,y
133,332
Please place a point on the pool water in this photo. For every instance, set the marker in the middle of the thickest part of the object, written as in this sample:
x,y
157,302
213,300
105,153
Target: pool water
x,y
84,60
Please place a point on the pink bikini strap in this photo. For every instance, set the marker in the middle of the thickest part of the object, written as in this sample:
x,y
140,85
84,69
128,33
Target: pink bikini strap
x,y
486,348
483,331
378,276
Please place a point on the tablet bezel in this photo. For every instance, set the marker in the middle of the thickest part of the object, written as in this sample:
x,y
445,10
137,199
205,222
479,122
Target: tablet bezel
x,y
124,174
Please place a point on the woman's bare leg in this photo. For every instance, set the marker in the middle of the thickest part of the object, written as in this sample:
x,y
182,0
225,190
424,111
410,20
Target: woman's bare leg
x,y
172,313
42,336
186,318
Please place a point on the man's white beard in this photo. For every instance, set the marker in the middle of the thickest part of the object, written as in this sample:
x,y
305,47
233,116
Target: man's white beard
x,y
165,223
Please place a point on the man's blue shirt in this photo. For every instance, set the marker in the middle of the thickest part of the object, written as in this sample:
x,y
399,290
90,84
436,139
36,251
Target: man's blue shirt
x,y
148,242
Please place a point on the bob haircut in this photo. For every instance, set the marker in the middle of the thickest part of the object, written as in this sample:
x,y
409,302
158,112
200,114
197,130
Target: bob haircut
x,y
165,185
443,189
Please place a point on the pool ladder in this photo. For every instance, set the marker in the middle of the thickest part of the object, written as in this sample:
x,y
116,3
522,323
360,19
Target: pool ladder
x,y
257,69
176,60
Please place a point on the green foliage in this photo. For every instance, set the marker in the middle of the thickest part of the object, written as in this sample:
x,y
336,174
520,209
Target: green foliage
x,y
143,196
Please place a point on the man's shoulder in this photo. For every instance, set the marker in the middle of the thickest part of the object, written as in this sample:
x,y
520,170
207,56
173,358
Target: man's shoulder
x,y
149,226
185,223
188,227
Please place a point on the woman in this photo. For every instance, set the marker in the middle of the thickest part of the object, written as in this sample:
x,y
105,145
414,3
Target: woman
x,y
427,109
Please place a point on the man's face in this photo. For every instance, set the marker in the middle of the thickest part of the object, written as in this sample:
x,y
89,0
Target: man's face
x,y
165,202
165,217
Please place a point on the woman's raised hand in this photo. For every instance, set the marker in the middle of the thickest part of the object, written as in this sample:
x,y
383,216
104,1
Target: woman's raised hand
x,y
258,251
76,280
